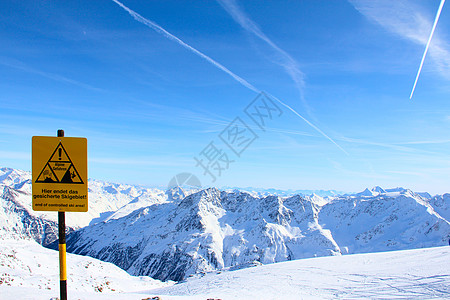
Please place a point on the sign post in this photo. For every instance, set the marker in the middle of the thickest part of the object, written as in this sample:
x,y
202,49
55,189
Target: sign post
x,y
59,183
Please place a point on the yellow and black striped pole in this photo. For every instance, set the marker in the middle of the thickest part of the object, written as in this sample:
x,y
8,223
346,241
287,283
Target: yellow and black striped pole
x,y
62,248
62,255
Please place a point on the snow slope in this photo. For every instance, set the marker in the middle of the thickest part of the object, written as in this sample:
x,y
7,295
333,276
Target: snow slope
x,y
411,274
27,264
408,274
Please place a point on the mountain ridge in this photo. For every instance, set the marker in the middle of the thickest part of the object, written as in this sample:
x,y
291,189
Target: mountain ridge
x,y
213,230
174,234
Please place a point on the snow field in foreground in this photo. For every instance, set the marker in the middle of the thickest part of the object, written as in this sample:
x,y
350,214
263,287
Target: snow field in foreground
x,y
35,269
410,274
29,271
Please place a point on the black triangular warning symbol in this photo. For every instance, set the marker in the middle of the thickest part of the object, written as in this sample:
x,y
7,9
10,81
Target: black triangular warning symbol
x,y
59,169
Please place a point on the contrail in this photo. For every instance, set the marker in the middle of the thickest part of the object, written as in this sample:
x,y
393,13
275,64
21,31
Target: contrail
x,y
309,123
427,46
289,64
167,34
239,79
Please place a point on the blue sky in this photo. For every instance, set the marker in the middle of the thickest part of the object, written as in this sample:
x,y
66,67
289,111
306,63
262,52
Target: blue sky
x,y
149,105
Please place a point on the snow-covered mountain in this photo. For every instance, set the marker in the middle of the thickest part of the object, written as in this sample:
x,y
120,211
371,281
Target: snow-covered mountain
x,y
441,204
19,221
388,221
214,230
206,231
262,192
106,200
171,235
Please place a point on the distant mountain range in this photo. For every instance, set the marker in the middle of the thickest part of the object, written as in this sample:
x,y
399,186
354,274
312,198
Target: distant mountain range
x,y
284,193
174,234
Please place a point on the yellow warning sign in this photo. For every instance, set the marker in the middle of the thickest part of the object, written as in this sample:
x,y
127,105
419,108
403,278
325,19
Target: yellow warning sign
x,y
59,173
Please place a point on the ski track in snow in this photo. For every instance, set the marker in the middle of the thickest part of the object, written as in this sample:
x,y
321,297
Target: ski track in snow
x,y
409,274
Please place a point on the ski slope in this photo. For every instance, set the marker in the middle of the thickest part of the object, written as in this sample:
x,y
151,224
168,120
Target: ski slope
x,y
30,271
409,274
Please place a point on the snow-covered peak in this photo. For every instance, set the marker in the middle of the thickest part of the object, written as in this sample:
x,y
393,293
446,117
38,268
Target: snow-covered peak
x,y
318,200
13,177
367,193
397,190
425,195
262,192
378,190
211,195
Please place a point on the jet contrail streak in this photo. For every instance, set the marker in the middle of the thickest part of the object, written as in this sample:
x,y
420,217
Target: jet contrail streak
x,y
242,81
309,123
288,63
427,46
167,34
